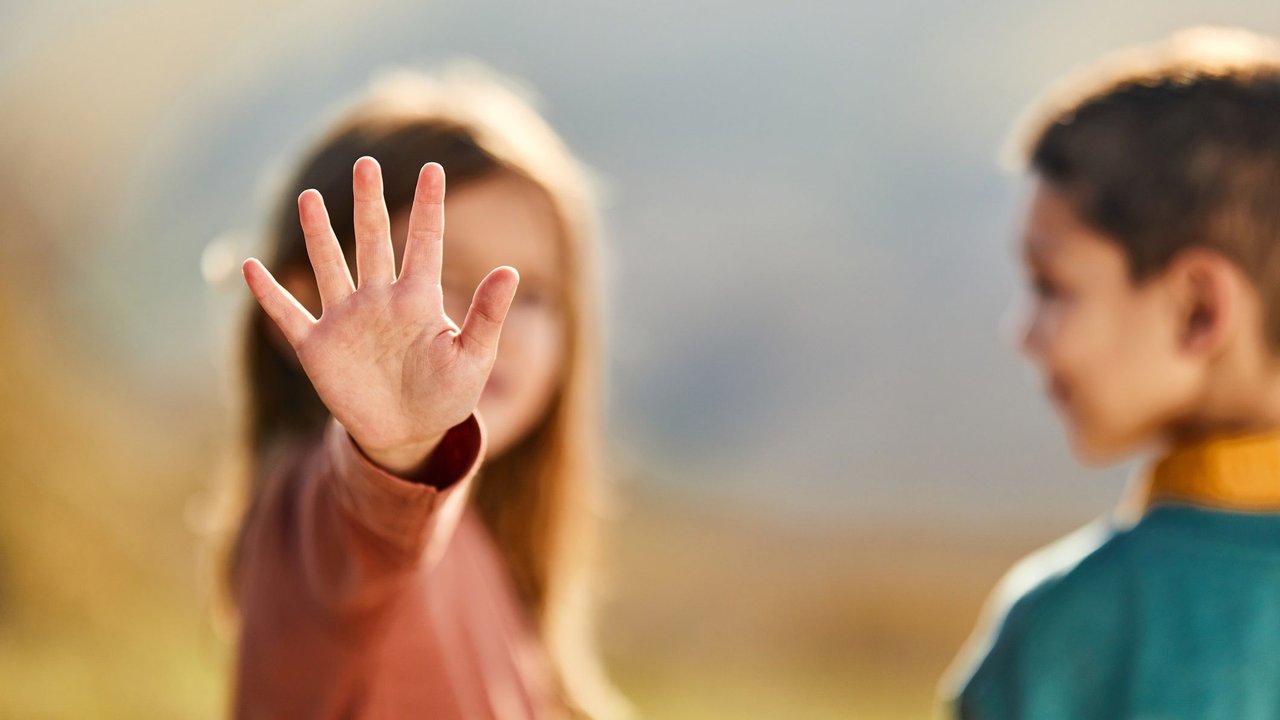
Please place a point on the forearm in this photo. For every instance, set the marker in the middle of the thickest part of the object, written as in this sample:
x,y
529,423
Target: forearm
x,y
358,529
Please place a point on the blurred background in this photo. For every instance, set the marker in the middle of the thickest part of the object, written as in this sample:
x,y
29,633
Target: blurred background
x,y
829,450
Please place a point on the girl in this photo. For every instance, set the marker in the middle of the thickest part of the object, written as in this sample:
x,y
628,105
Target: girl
x,y
377,572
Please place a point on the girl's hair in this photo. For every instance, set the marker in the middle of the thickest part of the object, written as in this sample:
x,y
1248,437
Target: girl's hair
x,y
541,498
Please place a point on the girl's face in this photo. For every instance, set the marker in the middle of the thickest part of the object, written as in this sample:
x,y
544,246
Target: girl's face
x,y
1108,349
504,219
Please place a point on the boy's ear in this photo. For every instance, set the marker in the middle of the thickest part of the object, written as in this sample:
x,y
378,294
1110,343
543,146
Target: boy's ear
x,y
1207,288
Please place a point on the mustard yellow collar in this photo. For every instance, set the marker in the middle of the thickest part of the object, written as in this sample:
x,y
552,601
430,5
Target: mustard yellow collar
x,y
1229,472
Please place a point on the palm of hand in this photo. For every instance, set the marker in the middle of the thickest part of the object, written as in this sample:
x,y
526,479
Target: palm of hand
x,y
385,359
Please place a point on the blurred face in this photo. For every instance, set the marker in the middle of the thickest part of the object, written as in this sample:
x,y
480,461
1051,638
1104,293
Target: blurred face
x,y
1108,350
504,219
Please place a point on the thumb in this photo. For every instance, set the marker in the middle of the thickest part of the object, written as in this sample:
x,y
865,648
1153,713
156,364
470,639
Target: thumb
x,y
489,308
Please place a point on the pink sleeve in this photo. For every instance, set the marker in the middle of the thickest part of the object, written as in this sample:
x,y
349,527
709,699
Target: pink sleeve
x,y
359,530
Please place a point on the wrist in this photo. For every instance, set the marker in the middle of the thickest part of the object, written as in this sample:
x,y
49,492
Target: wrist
x,y
403,460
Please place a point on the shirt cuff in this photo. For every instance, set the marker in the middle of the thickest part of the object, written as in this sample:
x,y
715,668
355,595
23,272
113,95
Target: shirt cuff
x,y
403,509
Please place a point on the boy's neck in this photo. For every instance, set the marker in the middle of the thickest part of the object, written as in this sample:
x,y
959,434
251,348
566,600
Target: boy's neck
x,y
1192,434
1238,406
1226,455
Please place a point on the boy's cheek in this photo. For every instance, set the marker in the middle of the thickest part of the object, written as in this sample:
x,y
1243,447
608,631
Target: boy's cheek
x,y
1122,411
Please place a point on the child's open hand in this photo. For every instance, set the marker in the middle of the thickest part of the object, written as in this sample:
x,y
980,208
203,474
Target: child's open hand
x,y
384,357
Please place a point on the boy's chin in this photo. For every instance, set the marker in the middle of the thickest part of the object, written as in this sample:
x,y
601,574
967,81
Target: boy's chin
x,y
1097,450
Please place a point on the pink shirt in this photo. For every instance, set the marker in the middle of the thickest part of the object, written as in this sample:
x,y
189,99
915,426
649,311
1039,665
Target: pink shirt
x,y
368,595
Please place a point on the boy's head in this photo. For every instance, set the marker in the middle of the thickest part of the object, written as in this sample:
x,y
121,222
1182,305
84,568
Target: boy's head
x,y
1152,241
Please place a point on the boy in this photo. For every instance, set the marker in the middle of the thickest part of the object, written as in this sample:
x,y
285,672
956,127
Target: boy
x,y
1152,242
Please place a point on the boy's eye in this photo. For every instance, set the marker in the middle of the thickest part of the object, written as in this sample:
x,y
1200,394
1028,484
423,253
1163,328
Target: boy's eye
x,y
1044,288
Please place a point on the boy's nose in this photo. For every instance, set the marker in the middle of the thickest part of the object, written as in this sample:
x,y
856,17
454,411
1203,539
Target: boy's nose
x,y
1016,327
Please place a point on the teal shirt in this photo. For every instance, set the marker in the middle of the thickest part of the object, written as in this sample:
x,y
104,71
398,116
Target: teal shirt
x,y
1175,617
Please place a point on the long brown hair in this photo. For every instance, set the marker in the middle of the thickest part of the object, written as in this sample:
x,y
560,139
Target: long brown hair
x,y
540,499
